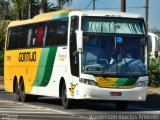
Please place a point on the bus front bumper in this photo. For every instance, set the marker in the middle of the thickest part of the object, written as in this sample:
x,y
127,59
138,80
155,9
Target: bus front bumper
x,y
84,91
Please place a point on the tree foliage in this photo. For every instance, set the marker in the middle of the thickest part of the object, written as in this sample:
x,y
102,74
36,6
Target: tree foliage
x,y
50,5
4,8
3,26
154,72
21,8
25,9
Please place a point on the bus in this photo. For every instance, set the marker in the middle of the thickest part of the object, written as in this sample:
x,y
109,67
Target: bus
x,y
78,55
153,44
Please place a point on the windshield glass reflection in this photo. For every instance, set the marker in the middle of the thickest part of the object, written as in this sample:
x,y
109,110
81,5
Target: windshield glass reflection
x,y
111,55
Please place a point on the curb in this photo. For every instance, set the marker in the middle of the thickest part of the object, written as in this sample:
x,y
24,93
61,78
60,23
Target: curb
x,y
153,91
1,83
1,88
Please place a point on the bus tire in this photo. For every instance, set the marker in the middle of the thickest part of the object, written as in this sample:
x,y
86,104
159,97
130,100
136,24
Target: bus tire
x,y
24,97
121,105
17,91
66,102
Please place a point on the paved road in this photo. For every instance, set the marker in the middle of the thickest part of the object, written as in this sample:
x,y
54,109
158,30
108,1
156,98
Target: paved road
x,y
12,110
49,108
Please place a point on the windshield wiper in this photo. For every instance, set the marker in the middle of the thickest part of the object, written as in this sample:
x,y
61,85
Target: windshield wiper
x,y
105,66
127,66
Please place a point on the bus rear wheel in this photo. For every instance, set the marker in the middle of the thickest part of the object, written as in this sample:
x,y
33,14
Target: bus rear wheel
x,y
121,105
24,97
66,102
17,92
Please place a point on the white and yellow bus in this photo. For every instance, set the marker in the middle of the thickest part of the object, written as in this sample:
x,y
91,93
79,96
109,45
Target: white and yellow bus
x,y
78,55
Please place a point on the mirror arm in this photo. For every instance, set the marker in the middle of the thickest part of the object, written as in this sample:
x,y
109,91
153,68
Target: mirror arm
x,y
77,51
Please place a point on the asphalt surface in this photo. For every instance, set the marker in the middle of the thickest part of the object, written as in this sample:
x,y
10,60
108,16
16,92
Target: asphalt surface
x,y
46,108
13,110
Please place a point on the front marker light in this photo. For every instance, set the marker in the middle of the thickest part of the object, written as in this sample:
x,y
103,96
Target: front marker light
x,y
141,83
88,82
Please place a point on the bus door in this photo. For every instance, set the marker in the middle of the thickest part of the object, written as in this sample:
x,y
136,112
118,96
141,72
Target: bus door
x,y
74,56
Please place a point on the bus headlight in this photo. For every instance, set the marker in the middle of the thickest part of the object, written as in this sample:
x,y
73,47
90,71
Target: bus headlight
x,y
141,83
88,82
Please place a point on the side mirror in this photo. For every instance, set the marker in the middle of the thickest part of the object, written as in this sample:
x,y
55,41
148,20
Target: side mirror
x,y
79,37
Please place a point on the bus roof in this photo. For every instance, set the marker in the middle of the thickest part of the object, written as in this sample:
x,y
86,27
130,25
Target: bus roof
x,y
107,13
64,13
41,18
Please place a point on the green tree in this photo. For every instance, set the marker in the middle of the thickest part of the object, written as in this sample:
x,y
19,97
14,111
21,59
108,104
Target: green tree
x,y
1,56
4,8
46,5
25,9
3,26
154,71
21,8
33,8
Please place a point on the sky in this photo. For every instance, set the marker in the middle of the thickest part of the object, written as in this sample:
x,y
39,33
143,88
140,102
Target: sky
x,y
133,6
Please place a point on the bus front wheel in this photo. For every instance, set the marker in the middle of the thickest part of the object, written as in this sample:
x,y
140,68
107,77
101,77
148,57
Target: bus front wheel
x,y
66,102
121,105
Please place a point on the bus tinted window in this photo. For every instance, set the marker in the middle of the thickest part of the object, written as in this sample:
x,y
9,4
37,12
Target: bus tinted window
x,y
57,32
18,37
23,37
39,34
13,39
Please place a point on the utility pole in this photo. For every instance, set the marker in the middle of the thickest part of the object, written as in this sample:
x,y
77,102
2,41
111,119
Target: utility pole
x,y
146,14
58,5
94,4
123,5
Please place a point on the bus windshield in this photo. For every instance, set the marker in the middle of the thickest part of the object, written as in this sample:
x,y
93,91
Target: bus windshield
x,y
114,54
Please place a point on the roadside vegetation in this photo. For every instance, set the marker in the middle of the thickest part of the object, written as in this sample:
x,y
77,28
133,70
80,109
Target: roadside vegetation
x,y
3,26
1,64
154,72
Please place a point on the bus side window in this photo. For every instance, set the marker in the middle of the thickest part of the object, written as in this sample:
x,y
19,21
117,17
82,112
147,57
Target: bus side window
x,y
33,36
62,32
13,38
57,32
37,35
40,35
18,37
51,33
23,36
29,37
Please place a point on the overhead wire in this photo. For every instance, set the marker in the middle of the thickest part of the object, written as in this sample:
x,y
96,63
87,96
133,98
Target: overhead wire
x,y
88,5
114,8
126,7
